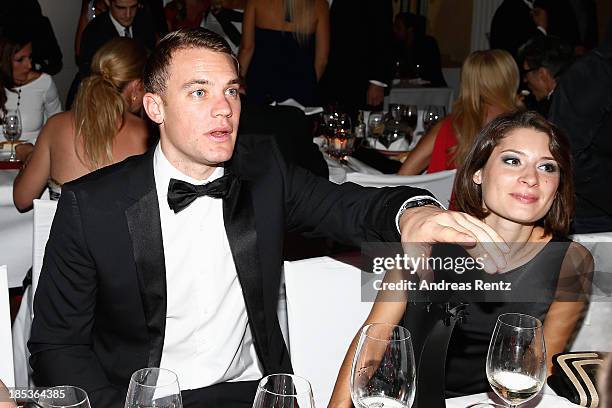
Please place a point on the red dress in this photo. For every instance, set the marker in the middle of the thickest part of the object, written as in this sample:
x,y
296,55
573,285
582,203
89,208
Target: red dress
x,y
444,140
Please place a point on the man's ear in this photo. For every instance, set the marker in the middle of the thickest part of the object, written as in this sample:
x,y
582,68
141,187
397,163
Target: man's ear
x,y
477,177
154,106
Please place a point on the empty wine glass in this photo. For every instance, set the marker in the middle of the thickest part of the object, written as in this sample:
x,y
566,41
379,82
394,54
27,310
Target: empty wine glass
x,y
153,387
64,396
383,372
432,115
12,130
283,391
516,361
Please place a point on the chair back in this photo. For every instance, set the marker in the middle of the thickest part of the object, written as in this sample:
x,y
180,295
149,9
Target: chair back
x,y
7,374
44,211
421,97
440,184
324,313
594,334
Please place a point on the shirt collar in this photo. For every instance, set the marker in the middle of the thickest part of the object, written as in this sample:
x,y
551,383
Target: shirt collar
x,y
120,29
164,171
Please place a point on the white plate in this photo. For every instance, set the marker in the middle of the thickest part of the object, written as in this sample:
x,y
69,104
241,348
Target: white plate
x,y
540,401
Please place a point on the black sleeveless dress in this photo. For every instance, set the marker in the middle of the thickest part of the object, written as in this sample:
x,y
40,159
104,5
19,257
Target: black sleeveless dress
x,y
281,68
533,284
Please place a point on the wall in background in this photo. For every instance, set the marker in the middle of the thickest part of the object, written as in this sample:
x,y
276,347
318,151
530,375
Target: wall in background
x,y
450,22
64,16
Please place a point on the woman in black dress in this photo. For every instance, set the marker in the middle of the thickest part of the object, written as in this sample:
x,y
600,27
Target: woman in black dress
x,y
517,178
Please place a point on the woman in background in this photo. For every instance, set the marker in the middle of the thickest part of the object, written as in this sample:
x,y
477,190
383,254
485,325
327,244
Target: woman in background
x,y
101,129
284,49
33,93
517,178
488,88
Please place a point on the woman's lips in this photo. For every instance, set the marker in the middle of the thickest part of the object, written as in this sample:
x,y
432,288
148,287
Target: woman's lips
x,y
524,198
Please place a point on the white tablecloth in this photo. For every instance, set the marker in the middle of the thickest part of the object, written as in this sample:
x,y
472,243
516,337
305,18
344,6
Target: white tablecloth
x,y
15,232
546,399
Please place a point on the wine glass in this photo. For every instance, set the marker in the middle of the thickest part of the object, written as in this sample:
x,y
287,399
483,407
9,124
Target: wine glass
x,y
12,129
283,391
432,115
383,372
153,387
63,396
342,141
516,361
376,125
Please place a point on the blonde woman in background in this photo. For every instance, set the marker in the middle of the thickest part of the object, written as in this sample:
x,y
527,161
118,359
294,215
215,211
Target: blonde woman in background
x,y
284,49
101,128
489,87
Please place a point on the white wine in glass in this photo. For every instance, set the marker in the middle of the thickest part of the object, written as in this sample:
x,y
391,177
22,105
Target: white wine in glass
x,y
12,129
383,374
283,391
154,388
516,360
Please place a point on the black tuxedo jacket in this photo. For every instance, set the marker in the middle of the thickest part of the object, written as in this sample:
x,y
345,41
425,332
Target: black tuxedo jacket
x,y
101,30
100,306
361,42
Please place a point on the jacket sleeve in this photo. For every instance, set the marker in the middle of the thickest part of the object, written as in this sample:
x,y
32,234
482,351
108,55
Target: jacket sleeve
x,y
64,305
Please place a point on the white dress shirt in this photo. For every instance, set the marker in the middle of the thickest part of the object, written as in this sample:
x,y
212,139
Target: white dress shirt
x,y
120,29
207,339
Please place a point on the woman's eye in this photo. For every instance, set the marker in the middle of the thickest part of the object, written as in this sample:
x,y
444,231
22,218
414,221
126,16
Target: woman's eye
x,y
199,93
513,161
549,167
232,92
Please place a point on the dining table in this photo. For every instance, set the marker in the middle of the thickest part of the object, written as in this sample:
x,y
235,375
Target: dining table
x,y
15,229
547,398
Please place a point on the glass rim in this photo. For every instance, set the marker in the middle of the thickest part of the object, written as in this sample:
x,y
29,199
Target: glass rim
x,y
74,387
292,376
156,369
406,332
537,325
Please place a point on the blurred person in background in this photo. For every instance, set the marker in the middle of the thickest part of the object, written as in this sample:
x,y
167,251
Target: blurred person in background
x,y
225,18
544,59
416,54
360,67
90,9
185,13
284,49
582,107
101,128
21,87
488,88
46,53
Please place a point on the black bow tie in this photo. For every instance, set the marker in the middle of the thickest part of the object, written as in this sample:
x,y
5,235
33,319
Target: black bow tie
x,y
181,193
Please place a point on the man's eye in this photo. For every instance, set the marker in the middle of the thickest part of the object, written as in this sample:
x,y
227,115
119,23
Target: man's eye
x,y
232,92
199,93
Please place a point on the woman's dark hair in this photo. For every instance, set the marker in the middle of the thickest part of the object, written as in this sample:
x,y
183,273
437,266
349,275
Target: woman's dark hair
x,y
468,194
12,39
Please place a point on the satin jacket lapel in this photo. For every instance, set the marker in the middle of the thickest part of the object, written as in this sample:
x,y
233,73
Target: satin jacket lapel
x,y
144,225
239,218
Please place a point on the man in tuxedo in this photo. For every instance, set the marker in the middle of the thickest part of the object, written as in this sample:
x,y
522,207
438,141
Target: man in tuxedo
x,y
173,258
124,18
360,64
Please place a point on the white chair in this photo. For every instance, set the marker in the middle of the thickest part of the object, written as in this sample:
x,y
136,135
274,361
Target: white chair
x,y
7,374
439,184
44,211
596,331
421,97
324,311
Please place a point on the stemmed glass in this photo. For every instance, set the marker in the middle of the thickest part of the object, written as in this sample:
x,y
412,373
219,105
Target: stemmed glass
x,y
153,388
64,396
12,130
432,115
341,139
283,391
376,126
516,361
383,372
